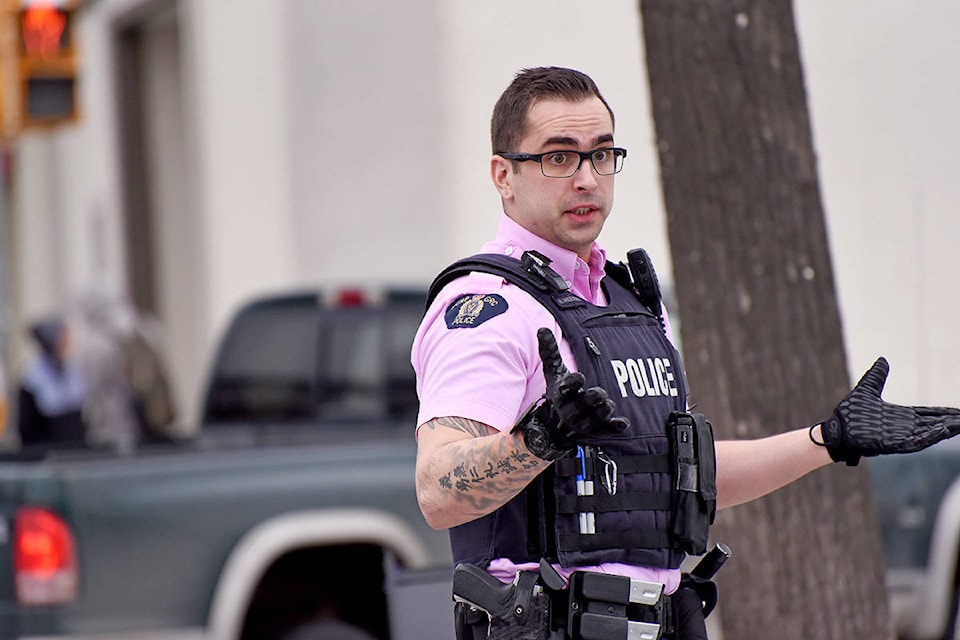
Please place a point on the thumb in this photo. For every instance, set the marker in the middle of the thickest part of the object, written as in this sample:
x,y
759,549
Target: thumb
x,y
874,379
553,367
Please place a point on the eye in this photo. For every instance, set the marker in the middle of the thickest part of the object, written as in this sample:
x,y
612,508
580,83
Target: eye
x,y
557,159
602,155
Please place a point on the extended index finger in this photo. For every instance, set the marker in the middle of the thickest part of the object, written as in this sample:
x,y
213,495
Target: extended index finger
x,y
553,366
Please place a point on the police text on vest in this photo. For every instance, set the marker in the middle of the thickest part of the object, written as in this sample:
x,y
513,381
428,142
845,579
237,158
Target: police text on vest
x,y
645,377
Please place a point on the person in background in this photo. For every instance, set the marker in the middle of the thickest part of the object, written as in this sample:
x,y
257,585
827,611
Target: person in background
x,y
51,393
128,398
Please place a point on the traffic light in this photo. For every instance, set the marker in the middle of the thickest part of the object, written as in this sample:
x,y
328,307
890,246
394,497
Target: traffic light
x,y
48,68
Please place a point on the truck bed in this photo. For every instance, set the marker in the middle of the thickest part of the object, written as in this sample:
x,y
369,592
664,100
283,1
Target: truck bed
x,y
169,517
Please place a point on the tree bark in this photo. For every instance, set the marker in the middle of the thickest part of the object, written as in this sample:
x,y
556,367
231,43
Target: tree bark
x,y
759,320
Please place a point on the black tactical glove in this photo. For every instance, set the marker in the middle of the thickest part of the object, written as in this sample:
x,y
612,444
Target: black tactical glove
x,y
864,425
567,413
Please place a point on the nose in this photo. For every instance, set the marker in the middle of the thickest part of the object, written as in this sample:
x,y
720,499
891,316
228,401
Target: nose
x,y
585,179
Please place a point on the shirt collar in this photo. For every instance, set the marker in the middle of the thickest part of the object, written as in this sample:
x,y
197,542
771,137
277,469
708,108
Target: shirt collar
x,y
513,240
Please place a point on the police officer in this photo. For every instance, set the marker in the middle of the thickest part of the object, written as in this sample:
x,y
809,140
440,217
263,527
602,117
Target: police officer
x,y
552,416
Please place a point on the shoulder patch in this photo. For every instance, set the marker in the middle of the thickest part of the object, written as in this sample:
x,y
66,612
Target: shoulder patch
x,y
474,309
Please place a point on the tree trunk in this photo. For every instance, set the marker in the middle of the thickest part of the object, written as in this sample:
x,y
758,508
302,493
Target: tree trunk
x,y
759,321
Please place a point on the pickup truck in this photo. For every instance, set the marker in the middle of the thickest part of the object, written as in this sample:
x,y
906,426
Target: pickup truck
x,y
918,504
291,513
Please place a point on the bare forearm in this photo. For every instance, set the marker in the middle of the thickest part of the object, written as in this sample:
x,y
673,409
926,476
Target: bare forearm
x,y
460,479
750,469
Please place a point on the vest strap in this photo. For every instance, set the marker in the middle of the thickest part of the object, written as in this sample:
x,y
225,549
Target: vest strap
x,y
645,539
569,467
606,503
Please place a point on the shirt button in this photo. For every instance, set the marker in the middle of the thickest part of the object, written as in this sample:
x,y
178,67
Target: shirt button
x,y
508,251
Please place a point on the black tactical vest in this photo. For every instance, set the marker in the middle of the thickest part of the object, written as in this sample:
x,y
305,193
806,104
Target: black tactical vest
x,y
622,348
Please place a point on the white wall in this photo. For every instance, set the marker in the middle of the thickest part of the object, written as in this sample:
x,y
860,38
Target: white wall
x,y
242,157
369,178
884,96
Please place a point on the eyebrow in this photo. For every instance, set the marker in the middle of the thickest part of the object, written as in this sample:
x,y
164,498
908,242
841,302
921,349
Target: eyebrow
x,y
607,137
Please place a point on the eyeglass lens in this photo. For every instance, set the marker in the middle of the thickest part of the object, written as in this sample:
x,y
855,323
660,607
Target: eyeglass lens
x,y
564,164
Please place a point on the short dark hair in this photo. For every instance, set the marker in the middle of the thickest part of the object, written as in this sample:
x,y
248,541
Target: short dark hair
x,y
509,122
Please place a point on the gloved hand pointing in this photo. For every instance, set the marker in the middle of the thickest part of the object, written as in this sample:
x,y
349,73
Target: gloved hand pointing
x,y
863,424
568,413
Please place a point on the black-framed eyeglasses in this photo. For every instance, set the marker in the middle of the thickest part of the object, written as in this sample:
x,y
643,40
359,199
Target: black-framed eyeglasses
x,y
565,163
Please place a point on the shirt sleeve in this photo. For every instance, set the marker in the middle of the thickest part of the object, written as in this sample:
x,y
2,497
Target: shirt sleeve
x,y
488,371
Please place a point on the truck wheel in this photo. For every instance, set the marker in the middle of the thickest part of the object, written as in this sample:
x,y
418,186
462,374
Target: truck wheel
x,y
295,601
327,630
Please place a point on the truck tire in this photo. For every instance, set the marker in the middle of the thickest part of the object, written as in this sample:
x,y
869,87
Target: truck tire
x,y
334,590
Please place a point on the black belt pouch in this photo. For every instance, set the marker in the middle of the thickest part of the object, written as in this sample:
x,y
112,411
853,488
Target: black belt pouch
x,y
695,480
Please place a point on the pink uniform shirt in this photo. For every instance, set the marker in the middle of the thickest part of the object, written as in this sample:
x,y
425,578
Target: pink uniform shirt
x,y
491,373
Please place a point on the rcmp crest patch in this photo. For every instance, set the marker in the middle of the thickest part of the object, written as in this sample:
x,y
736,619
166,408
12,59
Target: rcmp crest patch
x,y
474,309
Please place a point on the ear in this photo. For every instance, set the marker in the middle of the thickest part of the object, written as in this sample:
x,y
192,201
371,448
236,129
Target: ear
x,y
501,172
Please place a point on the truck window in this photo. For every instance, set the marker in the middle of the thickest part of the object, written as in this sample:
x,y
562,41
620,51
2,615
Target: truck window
x,y
348,370
364,372
266,364
298,360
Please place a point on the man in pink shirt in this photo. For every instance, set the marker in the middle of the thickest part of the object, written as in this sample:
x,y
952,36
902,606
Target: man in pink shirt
x,y
501,478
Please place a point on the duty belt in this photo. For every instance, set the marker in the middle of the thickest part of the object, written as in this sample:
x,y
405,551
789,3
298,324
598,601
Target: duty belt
x,y
594,606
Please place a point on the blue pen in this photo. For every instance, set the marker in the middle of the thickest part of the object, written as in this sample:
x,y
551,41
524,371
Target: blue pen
x,y
585,488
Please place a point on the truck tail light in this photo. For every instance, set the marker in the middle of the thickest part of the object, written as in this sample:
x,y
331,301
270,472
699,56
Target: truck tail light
x,y
45,561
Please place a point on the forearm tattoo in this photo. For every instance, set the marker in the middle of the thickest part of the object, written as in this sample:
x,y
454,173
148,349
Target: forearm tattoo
x,y
486,470
471,427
